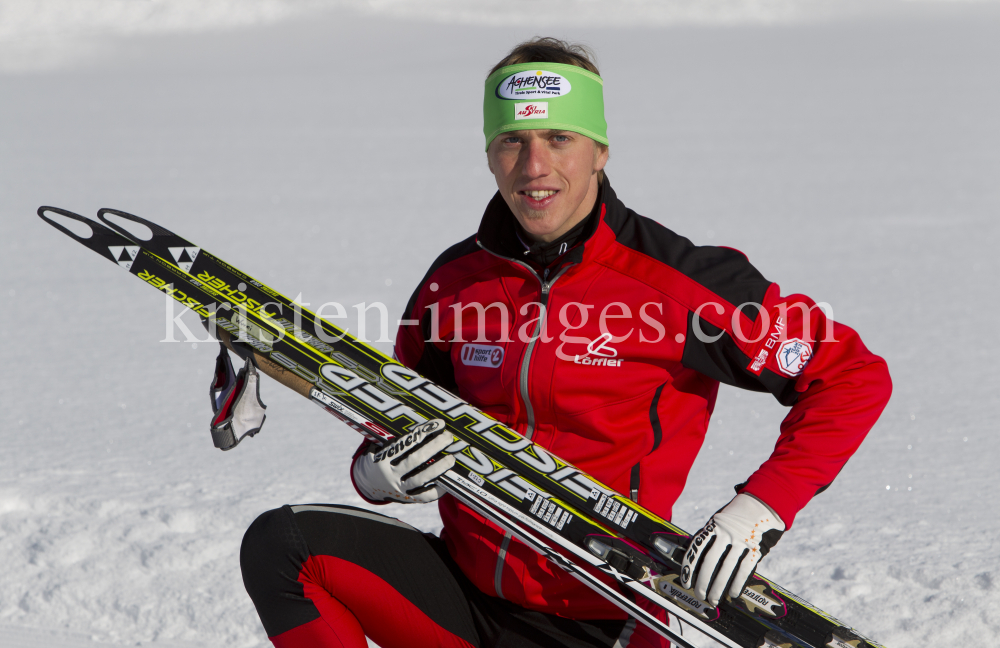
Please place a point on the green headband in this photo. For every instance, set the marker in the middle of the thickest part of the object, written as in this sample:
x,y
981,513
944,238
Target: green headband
x,y
542,96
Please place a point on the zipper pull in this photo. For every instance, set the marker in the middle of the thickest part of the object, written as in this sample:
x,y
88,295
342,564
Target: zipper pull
x,y
545,274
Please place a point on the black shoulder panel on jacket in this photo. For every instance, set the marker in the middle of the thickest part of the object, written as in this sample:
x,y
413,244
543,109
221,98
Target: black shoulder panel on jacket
x,y
722,360
725,272
721,271
457,251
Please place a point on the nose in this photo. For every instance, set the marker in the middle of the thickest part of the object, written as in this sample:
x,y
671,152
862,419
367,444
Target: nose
x,y
537,162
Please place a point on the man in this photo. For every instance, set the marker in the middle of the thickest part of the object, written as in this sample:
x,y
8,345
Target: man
x,y
603,337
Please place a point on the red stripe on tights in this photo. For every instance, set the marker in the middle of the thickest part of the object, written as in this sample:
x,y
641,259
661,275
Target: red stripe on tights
x,y
352,603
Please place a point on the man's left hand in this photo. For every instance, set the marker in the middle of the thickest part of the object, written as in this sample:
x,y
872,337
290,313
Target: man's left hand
x,y
723,555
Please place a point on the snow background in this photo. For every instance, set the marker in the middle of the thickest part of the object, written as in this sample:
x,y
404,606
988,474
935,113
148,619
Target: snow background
x,y
850,149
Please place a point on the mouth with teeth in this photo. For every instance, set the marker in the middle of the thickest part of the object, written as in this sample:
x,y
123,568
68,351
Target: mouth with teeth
x,y
538,198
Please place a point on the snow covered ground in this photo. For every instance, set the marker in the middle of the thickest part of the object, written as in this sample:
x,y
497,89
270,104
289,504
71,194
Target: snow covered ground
x,y
852,153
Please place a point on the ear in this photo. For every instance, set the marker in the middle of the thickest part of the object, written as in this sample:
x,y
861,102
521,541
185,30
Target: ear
x,y
601,154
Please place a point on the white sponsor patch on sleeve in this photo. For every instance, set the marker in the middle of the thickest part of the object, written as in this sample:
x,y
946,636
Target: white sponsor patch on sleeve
x,y
758,363
793,356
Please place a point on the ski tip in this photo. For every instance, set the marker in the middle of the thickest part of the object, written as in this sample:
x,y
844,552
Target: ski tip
x,y
144,233
44,212
91,234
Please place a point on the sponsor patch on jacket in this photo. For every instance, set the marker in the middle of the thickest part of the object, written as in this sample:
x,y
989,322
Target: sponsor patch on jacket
x,y
536,110
772,340
757,365
793,355
482,355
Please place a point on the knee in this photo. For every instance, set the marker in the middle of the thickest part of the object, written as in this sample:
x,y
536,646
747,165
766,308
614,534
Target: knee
x,y
272,553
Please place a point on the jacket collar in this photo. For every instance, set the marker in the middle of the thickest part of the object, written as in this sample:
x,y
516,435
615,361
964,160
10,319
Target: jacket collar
x,y
498,230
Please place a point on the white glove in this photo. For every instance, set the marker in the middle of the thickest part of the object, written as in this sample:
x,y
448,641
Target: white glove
x,y
397,472
722,556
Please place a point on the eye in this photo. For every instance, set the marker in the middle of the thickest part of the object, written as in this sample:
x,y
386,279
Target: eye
x,y
512,139
561,137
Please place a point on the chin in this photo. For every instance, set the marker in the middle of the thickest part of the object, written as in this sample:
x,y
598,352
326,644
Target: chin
x,y
538,224
551,215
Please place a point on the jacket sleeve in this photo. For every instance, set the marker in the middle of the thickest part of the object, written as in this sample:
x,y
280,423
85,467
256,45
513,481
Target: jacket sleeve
x,y
835,386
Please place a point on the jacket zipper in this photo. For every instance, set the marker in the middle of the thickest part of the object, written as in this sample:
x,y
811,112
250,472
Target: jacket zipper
x,y
546,286
523,376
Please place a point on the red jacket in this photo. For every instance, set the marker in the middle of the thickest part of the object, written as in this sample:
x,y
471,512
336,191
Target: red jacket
x,y
630,402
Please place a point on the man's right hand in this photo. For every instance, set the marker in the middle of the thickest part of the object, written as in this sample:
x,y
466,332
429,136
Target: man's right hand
x,y
396,472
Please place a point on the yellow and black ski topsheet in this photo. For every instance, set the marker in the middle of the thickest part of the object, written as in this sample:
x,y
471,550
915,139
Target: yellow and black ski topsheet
x,y
558,510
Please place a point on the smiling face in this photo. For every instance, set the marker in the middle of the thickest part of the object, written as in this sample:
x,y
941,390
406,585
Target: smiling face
x,y
548,178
